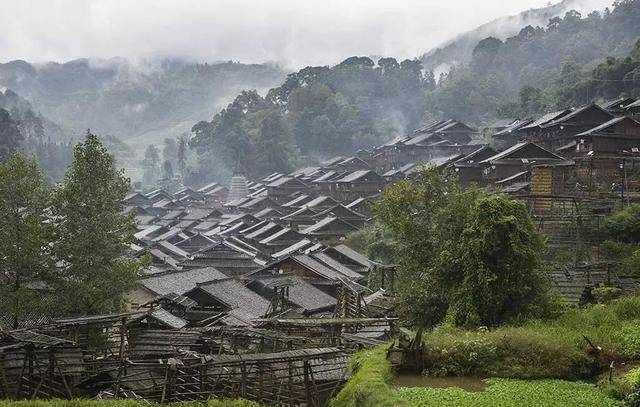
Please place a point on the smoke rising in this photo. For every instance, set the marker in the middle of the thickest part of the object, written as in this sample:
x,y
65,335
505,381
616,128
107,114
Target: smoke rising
x,y
294,33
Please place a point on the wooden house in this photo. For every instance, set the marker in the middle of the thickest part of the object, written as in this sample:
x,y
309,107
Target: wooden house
x,y
313,271
618,106
469,169
563,129
241,304
225,257
612,137
518,158
257,204
511,134
282,188
301,218
136,199
357,184
330,227
296,292
343,213
361,205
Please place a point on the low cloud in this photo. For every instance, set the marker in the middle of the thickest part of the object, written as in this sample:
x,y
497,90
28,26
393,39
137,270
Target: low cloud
x,y
291,32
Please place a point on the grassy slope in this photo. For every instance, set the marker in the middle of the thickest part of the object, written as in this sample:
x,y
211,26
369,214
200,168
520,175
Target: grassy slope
x,y
540,349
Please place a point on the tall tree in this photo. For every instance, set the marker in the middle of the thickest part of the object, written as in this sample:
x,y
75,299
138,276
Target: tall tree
x,y
275,147
24,253
462,254
10,136
92,235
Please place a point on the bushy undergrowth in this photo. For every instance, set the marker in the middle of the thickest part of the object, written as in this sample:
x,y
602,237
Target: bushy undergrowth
x,y
540,349
121,403
369,385
512,393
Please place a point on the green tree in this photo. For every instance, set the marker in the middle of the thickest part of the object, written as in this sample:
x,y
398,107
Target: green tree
x,y
275,148
10,137
498,266
463,254
92,235
25,258
621,243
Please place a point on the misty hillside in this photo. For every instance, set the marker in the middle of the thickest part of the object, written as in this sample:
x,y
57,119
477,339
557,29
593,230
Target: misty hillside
x,y
126,100
549,59
316,113
458,50
33,125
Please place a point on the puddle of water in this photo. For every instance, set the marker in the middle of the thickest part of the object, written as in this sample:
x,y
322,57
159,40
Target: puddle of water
x,y
468,383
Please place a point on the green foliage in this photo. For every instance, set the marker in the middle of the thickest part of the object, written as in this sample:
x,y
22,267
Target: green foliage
x,y
473,257
369,384
512,393
122,403
553,348
151,165
499,262
621,245
605,294
10,136
374,241
128,99
540,348
25,256
91,234
317,112
251,135
624,226
518,352
541,69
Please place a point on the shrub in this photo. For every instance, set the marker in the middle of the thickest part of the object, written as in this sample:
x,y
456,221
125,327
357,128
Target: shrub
x,y
369,384
506,352
554,348
605,294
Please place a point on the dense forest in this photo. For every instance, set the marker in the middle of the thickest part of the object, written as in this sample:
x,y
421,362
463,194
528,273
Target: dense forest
x,y
459,50
555,61
316,113
324,111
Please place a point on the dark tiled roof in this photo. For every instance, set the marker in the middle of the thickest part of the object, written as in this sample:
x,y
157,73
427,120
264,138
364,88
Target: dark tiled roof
x,y
243,302
181,281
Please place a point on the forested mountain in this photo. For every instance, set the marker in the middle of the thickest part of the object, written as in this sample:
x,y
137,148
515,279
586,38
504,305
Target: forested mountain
x,y
323,111
124,99
22,128
32,123
551,58
458,51
316,113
